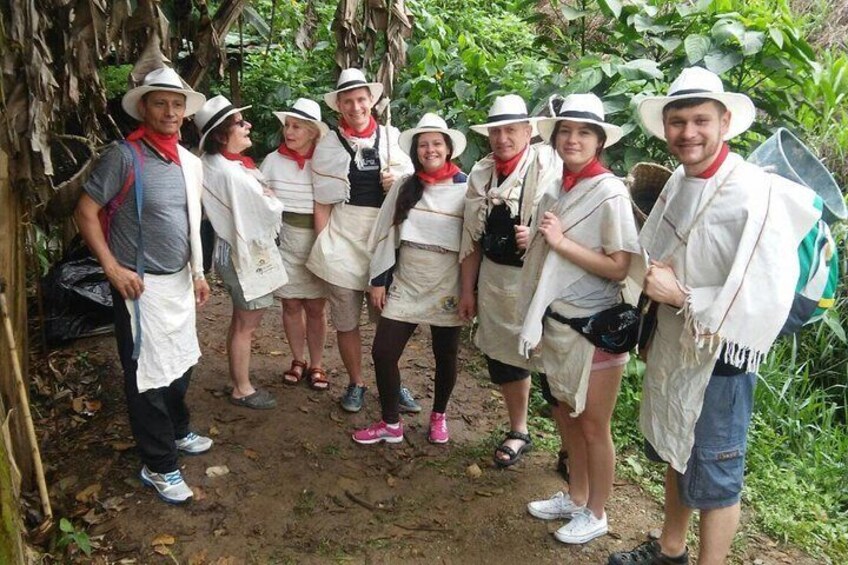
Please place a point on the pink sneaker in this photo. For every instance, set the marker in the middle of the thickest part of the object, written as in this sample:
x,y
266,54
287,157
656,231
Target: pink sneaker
x,y
438,428
378,432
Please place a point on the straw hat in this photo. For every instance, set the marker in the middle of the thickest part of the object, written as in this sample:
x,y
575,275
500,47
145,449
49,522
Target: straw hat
x,y
163,79
508,109
213,113
430,122
584,108
351,79
697,82
305,109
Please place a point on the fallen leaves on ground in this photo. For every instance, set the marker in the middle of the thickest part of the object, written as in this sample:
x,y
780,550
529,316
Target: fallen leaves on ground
x,y
89,493
164,539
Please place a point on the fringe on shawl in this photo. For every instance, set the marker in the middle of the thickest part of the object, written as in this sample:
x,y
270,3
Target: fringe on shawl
x,y
746,358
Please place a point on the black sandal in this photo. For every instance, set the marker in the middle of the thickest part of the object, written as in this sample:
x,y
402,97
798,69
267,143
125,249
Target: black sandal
x,y
514,456
562,464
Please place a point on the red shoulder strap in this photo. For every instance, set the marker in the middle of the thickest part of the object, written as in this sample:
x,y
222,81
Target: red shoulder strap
x,y
110,209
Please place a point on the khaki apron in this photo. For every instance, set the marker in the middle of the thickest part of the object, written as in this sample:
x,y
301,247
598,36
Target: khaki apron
x,y
425,289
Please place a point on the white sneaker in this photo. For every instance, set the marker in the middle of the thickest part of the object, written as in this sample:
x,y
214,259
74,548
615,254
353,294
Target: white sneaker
x,y
170,486
582,528
194,444
557,507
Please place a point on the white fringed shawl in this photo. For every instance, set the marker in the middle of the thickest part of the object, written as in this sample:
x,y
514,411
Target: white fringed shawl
x,y
739,266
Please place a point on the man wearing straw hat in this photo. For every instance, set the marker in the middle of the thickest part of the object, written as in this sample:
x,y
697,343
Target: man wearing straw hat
x,y
503,190
140,216
351,171
717,238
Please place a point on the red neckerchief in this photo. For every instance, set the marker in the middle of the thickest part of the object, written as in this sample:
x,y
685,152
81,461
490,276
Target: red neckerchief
x,y
295,156
719,161
243,159
592,169
446,171
367,132
505,168
166,145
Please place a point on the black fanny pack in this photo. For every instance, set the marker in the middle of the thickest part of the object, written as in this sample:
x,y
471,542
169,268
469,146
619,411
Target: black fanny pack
x,y
614,330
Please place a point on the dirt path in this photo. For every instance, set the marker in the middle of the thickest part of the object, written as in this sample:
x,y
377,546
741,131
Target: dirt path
x,y
298,490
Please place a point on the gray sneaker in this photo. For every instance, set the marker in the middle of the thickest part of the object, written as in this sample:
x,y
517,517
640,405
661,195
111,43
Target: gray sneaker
x,y
353,398
169,486
407,402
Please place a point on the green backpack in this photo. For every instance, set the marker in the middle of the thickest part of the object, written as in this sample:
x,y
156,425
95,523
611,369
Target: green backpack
x,y
815,292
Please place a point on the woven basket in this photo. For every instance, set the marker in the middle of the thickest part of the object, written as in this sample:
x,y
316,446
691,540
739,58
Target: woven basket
x,y
645,182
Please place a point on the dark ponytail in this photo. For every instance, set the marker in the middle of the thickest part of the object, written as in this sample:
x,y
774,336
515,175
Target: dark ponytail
x,y
412,189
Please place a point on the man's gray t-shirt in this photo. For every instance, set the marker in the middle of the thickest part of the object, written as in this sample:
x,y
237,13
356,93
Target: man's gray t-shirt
x,y
165,213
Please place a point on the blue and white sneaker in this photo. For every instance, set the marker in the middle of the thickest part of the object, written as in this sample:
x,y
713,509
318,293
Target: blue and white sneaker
x,y
169,486
407,402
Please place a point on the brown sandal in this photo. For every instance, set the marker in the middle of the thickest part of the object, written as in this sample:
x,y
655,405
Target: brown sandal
x,y
292,376
317,378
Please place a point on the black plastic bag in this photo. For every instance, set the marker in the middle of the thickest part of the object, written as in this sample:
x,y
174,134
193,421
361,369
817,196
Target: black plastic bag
x,y
77,298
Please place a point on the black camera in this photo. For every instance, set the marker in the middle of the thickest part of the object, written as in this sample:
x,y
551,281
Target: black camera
x,y
500,247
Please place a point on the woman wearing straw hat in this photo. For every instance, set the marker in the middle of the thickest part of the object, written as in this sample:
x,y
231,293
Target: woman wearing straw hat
x,y
246,216
574,268
503,190
289,173
351,172
416,273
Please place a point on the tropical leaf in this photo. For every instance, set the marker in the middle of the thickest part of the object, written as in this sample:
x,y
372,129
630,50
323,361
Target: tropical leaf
x,y
696,47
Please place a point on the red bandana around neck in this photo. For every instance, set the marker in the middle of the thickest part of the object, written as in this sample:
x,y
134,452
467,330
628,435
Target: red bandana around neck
x,y
446,171
719,161
166,145
295,156
367,132
592,169
505,168
243,159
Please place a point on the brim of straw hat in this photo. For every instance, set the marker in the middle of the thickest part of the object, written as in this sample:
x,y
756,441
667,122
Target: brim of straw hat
x,y
457,139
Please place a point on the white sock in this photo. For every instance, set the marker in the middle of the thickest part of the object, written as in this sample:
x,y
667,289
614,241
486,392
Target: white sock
x,y
393,426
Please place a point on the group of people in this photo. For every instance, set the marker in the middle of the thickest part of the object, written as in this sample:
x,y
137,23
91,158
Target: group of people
x,y
536,242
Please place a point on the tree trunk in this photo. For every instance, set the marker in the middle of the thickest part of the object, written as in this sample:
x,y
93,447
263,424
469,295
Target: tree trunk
x,y
12,267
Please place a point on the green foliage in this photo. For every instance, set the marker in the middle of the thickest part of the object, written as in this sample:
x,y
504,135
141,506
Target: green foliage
x,y
69,535
273,81
115,79
639,46
455,70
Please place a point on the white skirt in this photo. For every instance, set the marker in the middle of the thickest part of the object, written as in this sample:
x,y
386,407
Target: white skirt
x,y
425,289
295,246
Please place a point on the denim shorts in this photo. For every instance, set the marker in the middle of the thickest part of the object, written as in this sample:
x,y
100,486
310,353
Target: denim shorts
x,y
714,474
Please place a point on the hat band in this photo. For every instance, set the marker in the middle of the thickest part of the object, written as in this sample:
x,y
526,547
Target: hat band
x,y
347,85
304,114
692,91
213,121
581,115
164,85
505,117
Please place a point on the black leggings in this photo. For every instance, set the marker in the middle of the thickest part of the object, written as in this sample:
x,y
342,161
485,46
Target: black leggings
x,y
389,342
